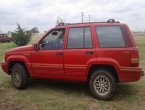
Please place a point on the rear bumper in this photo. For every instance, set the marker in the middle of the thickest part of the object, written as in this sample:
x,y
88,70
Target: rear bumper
x,y
4,67
128,74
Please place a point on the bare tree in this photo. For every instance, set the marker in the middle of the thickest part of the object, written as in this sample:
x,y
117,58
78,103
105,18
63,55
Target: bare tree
x,y
35,30
59,20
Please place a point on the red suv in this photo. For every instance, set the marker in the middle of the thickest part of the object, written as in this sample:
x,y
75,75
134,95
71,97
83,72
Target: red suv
x,y
100,53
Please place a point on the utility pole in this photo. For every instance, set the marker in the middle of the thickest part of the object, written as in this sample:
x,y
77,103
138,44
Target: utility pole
x,y
82,16
89,18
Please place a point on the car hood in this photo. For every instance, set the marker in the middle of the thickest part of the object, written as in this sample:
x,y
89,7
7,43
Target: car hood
x,y
20,49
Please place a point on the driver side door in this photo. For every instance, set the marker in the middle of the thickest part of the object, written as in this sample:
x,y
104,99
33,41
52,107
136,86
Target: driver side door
x,y
48,60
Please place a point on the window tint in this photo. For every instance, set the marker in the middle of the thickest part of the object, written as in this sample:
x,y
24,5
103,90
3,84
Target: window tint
x,y
75,38
79,38
110,36
88,40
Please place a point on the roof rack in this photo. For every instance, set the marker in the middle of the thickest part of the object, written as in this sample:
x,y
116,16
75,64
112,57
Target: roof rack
x,y
108,21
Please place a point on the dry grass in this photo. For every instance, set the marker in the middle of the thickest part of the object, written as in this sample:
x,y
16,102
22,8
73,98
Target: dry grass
x,y
64,95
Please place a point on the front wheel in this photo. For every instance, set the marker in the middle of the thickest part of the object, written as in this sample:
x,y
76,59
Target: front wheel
x,y
102,84
19,76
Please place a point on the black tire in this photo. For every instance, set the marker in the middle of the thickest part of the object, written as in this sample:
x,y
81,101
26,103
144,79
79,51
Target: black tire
x,y
19,76
102,84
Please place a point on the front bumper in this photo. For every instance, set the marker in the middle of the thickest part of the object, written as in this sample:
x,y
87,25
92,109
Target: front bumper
x,y
4,67
127,74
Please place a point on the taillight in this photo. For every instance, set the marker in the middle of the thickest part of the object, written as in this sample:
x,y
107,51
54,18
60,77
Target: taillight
x,y
135,58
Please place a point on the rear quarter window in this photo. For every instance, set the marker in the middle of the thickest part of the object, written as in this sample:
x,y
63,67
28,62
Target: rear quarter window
x,y
110,37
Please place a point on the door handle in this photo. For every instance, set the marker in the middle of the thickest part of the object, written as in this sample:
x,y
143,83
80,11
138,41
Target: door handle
x,y
59,53
89,53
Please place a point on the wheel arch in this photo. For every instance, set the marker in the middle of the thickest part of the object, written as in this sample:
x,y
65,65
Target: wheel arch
x,y
13,62
110,68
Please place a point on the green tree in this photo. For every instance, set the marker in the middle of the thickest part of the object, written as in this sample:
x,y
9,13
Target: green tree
x,y
21,36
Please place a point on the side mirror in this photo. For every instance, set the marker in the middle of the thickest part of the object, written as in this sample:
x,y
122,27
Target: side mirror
x,y
35,46
54,33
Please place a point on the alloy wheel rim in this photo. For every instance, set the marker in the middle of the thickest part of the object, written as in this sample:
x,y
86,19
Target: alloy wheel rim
x,y
17,78
102,85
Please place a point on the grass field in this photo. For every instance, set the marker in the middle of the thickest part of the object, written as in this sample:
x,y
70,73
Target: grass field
x,y
63,95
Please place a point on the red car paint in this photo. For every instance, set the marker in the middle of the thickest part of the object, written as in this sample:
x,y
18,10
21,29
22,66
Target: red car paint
x,y
74,64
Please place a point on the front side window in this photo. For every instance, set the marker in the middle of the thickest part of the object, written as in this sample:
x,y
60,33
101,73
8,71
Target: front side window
x,y
53,40
79,38
110,37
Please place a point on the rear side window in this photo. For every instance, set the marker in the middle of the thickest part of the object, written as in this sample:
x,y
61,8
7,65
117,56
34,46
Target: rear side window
x,y
110,36
79,38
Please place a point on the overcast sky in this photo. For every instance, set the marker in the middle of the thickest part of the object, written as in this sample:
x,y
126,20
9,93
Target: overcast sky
x,y
43,13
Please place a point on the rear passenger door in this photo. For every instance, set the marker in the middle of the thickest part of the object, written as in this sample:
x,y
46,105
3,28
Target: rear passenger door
x,y
78,51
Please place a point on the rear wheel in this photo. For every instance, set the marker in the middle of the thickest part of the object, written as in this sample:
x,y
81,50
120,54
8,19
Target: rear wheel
x,y
19,76
102,84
